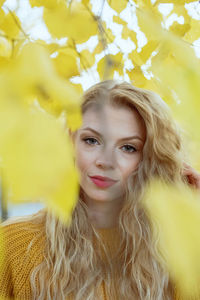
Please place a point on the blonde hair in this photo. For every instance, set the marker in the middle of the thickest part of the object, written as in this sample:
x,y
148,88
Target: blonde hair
x,y
72,267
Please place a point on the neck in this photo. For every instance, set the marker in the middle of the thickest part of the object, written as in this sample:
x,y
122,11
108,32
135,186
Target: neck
x,y
103,214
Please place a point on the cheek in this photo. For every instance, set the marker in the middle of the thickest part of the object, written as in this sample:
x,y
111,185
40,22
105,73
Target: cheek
x,y
128,166
83,159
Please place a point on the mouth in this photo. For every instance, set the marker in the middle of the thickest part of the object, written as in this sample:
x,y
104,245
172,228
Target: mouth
x,y
102,182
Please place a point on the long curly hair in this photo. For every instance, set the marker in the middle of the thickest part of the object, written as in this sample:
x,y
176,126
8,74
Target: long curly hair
x,y
73,267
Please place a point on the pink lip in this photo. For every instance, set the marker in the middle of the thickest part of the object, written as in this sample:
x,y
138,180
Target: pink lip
x,y
102,181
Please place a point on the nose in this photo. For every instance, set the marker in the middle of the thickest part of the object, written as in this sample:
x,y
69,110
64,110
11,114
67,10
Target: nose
x,y
105,159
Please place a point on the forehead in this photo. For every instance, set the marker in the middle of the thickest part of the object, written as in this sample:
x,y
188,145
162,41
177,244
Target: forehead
x,y
114,120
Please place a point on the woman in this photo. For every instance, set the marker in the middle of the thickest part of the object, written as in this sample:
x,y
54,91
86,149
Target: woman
x,y
126,138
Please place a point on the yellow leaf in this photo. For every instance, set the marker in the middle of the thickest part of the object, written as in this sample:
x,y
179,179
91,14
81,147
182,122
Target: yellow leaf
x,y
109,35
87,59
118,5
118,20
2,14
11,25
179,29
73,119
175,213
4,62
45,3
51,47
179,71
129,33
137,77
17,47
141,57
32,75
135,58
179,2
151,14
108,64
144,4
78,87
65,63
5,47
148,49
37,160
180,10
194,33
77,24
85,2
99,48
1,2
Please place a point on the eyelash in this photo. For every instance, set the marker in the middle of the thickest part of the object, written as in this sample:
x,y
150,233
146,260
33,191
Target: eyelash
x,y
86,139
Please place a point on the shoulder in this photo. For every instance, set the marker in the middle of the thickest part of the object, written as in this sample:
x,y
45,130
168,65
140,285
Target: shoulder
x,y
21,250
17,237
17,233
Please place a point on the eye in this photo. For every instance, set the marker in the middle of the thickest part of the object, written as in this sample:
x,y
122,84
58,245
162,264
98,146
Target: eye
x,y
129,148
90,141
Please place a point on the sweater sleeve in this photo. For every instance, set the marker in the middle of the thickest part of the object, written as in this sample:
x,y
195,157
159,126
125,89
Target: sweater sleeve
x,y
6,282
21,250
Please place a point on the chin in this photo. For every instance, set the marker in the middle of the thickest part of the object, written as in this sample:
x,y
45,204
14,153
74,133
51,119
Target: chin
x,y
100,195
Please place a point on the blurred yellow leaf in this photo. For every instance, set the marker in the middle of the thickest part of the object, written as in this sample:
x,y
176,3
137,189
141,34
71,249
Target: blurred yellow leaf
x,y
129,33
108,64
11,25
87,59
140,58
76,23
118,20
73,119
99,48
144,4
78,87
1,2
194,33
4,62
2,14
180,10
45,3
148,49
109,35
32,75
65,63
118,5
180,71
51,47
179,29
85,2
177,68
5,47
175,215
17,47
179,2
152,13
137,77
37,159
135,58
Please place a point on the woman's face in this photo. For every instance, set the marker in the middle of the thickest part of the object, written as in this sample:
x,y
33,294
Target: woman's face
x,y
108,144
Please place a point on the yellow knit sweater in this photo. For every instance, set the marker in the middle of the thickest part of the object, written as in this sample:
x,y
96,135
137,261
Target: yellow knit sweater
x,y
17,263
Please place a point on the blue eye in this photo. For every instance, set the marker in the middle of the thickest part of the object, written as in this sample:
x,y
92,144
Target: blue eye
x,y
129,148
93,141
90,141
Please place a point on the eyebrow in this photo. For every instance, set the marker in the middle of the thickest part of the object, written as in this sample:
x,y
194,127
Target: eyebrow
x,y
122,139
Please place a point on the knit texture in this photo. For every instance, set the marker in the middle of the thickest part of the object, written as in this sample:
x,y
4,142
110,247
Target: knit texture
x,y
22,249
